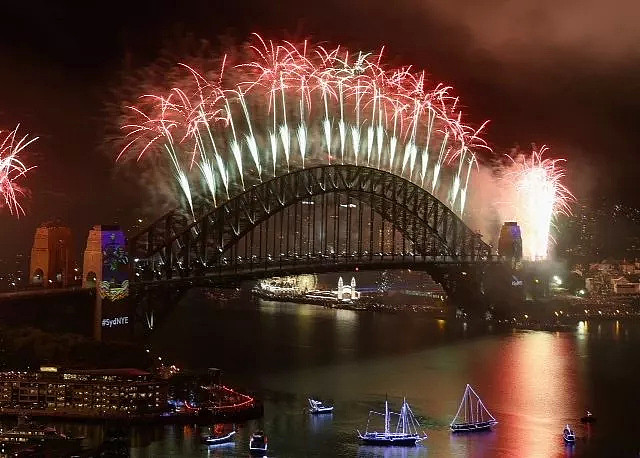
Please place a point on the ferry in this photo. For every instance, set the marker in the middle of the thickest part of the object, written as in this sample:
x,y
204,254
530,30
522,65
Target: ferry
x,y
318,407
406,431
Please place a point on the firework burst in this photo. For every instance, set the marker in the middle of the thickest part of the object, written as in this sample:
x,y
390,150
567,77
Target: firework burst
x,y
539,198
12,169
292,105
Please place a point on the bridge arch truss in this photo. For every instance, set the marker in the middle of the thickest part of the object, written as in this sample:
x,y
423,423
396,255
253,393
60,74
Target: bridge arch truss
x,y
328,217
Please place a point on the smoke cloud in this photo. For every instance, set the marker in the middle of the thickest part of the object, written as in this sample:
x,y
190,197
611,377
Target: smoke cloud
x,y
515,30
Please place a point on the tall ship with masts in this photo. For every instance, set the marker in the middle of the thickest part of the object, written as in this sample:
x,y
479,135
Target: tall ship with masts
x,y
406,431
472,415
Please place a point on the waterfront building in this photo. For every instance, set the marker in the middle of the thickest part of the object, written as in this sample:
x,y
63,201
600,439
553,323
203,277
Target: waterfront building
x,y
306,286
623,286
630,268
296,285
81,393
347,292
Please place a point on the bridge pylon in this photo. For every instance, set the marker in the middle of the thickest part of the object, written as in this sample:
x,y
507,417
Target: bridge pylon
x,y
106,268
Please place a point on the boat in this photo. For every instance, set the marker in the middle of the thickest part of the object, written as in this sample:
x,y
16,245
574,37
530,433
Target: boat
x,y
219,439
34,433
317,407
406,432
568,435
258,443
472,415
588,418
31,439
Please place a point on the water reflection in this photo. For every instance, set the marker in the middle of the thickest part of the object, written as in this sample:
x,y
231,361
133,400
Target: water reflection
x,y
532,382
320,423
473,444
220,450
536,381
569,449
392,452
346,315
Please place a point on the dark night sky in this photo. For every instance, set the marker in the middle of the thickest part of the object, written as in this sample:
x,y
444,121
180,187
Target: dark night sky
x,y
562,73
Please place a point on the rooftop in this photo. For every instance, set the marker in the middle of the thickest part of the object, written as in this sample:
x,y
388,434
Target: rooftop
x,y
131,372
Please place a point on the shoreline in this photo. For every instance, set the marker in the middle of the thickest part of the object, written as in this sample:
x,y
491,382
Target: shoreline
x,y
363,305
209,417
541,319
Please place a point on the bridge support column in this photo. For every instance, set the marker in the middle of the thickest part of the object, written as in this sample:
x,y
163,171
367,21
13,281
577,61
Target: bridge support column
x,y
106,268
97,317
51,263
463,284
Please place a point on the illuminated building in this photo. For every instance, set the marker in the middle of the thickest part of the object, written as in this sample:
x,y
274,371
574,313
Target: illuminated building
x,y
392,241
347,292
594,230
82,393
306,286
296,285
623,286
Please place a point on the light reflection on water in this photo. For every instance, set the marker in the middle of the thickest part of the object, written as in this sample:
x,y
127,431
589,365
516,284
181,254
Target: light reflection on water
x,y
532,382
537,387
392,452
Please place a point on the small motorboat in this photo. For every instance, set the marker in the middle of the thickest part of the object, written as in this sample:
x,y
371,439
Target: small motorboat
x,y
219,439
258,443
317,407
588,418
568,435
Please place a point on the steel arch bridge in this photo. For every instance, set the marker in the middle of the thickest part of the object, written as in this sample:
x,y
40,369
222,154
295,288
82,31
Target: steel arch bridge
x,y
324,218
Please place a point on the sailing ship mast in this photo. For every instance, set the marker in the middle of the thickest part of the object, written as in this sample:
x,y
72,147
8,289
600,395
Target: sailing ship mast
x,y
472,416
406,430
387,418
403,416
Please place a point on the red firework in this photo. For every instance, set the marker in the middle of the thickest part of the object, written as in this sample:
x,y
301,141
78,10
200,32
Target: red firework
x,y
290,102
12,169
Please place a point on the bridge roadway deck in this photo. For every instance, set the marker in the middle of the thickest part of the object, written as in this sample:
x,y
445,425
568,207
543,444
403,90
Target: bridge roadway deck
x,y
237,273
42,292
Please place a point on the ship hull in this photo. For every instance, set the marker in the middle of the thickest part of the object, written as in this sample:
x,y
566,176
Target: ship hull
x,y
473,427
227,439
321,411
409,441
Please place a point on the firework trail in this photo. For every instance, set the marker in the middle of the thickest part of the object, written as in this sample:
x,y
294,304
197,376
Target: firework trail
x,y
12,169
293,105
538,197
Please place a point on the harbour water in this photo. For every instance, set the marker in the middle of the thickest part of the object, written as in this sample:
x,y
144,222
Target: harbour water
x,y
533,382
